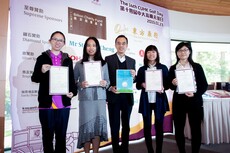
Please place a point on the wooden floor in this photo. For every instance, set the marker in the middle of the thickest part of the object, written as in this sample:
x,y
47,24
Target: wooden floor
x,y
169,146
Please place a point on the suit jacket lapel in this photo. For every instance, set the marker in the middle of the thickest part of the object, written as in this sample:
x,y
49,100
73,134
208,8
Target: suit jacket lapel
x,y
115,59
128,63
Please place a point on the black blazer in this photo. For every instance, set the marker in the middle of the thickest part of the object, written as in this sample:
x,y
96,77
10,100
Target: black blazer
x,y
201,84
112,62
161,99
44,99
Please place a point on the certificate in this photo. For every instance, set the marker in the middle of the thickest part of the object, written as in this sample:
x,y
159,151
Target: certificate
x,y
185,80
93,74
124,81
59,80
153,80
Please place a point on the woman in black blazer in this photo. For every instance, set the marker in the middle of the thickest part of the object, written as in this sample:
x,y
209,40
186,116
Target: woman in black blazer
x,y
190,103
54,110
154,100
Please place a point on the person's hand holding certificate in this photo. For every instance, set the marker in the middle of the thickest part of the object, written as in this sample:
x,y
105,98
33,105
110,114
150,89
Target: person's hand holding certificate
x,y
59,80
153,80
93,73
185,80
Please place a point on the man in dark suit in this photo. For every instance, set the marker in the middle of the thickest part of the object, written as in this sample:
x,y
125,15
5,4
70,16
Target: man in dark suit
x,y
119,104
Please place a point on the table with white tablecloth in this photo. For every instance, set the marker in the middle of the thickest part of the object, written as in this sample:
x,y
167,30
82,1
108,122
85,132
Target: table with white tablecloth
x,y
216,123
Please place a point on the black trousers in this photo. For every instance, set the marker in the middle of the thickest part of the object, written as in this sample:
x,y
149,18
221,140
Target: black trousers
x,y
54,122
195,116
148,128
120,110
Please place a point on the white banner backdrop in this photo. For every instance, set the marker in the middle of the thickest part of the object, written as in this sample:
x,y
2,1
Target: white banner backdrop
x,y
32,23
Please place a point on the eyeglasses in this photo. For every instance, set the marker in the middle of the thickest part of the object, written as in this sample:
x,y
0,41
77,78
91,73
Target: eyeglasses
x,y
183,50
58,40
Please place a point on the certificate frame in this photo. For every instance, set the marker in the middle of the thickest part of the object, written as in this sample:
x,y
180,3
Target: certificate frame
x,y
185,81
153,80
93,72
124,81
58,80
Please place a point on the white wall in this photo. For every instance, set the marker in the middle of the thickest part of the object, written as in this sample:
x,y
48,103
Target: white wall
x,y
195,27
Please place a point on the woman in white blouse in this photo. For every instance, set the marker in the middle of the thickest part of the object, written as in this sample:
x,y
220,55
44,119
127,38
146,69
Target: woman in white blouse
x,y
153,100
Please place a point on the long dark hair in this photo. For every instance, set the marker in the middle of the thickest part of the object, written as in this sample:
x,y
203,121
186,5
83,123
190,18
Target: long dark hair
x,y
56,33
97,56
188,45
151,48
